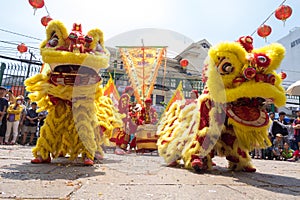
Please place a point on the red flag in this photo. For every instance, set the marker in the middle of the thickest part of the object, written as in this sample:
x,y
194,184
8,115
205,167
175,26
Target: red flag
x,y
111,91
178,95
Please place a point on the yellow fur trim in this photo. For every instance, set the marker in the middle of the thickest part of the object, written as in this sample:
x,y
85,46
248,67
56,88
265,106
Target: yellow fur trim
x,y
179,134
250,137
74,130
55,57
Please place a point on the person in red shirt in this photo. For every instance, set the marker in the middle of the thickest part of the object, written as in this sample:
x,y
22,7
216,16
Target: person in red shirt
x,y
296,156
124,102
194,94
124,108
133,124
296,127
148,113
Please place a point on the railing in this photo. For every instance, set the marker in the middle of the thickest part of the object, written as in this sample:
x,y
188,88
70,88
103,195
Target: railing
x,y
12,76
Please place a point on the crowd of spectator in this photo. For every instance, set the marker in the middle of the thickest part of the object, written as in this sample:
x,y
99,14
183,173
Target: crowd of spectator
x,y
284,135
18,119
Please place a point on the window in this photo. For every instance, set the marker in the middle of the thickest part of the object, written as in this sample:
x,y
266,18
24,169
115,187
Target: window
x,y
167,82
159,98
159,80
115,63
204,45
184,82
173,83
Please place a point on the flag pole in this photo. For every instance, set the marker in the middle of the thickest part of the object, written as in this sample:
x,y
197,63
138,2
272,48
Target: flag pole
x,y
143,89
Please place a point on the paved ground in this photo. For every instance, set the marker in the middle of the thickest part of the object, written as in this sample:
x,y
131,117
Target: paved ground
x,y
140,177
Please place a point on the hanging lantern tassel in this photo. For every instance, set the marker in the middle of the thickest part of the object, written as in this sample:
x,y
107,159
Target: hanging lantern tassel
x,y
36,4
264,31
283,12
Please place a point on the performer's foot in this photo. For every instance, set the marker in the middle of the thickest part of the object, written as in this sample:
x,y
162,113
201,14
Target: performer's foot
x,y
213,163
249,169
39,160
199,164
61,155
120,152
88,162
98,156
291,159
173,164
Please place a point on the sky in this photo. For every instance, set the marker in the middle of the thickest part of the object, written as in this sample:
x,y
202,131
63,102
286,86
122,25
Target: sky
x,y
213,20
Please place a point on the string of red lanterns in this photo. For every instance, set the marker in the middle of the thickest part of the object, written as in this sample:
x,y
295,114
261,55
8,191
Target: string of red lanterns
x,y
283,12
36,4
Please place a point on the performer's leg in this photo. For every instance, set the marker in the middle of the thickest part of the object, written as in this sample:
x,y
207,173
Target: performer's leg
x,y
50,139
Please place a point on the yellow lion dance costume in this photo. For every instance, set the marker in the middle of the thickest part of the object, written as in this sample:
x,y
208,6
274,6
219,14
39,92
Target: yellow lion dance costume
x,y
229,118
80,119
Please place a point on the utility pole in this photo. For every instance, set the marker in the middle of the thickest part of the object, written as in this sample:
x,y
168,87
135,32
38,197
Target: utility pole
x,y
29,64
2,68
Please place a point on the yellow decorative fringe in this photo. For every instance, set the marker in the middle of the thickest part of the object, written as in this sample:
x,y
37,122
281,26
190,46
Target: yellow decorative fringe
x,y
72,130
179,132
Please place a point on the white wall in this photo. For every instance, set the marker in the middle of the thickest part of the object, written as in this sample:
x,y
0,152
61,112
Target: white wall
x,y
291,62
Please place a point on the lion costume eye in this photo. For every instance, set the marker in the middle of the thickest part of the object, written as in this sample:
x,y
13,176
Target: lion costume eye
x,y
224,66
262,60
88,39
73,36
99,47
53,42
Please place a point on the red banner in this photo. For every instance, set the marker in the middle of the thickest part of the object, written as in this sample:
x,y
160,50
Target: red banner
x,y
142,64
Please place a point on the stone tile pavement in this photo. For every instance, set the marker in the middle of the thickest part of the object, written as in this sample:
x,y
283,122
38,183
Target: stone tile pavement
x,y
140,177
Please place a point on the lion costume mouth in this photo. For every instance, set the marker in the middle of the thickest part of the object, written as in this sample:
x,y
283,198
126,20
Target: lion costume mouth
x,y
74,75
248,111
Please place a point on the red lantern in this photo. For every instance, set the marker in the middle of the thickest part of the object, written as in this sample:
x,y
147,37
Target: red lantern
x,y
184,63
283,75
283,12
45,20
264,31
36,4
22,48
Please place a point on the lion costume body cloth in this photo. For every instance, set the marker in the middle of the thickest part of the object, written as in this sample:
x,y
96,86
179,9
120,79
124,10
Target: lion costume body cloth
x,y
230,117
79,118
